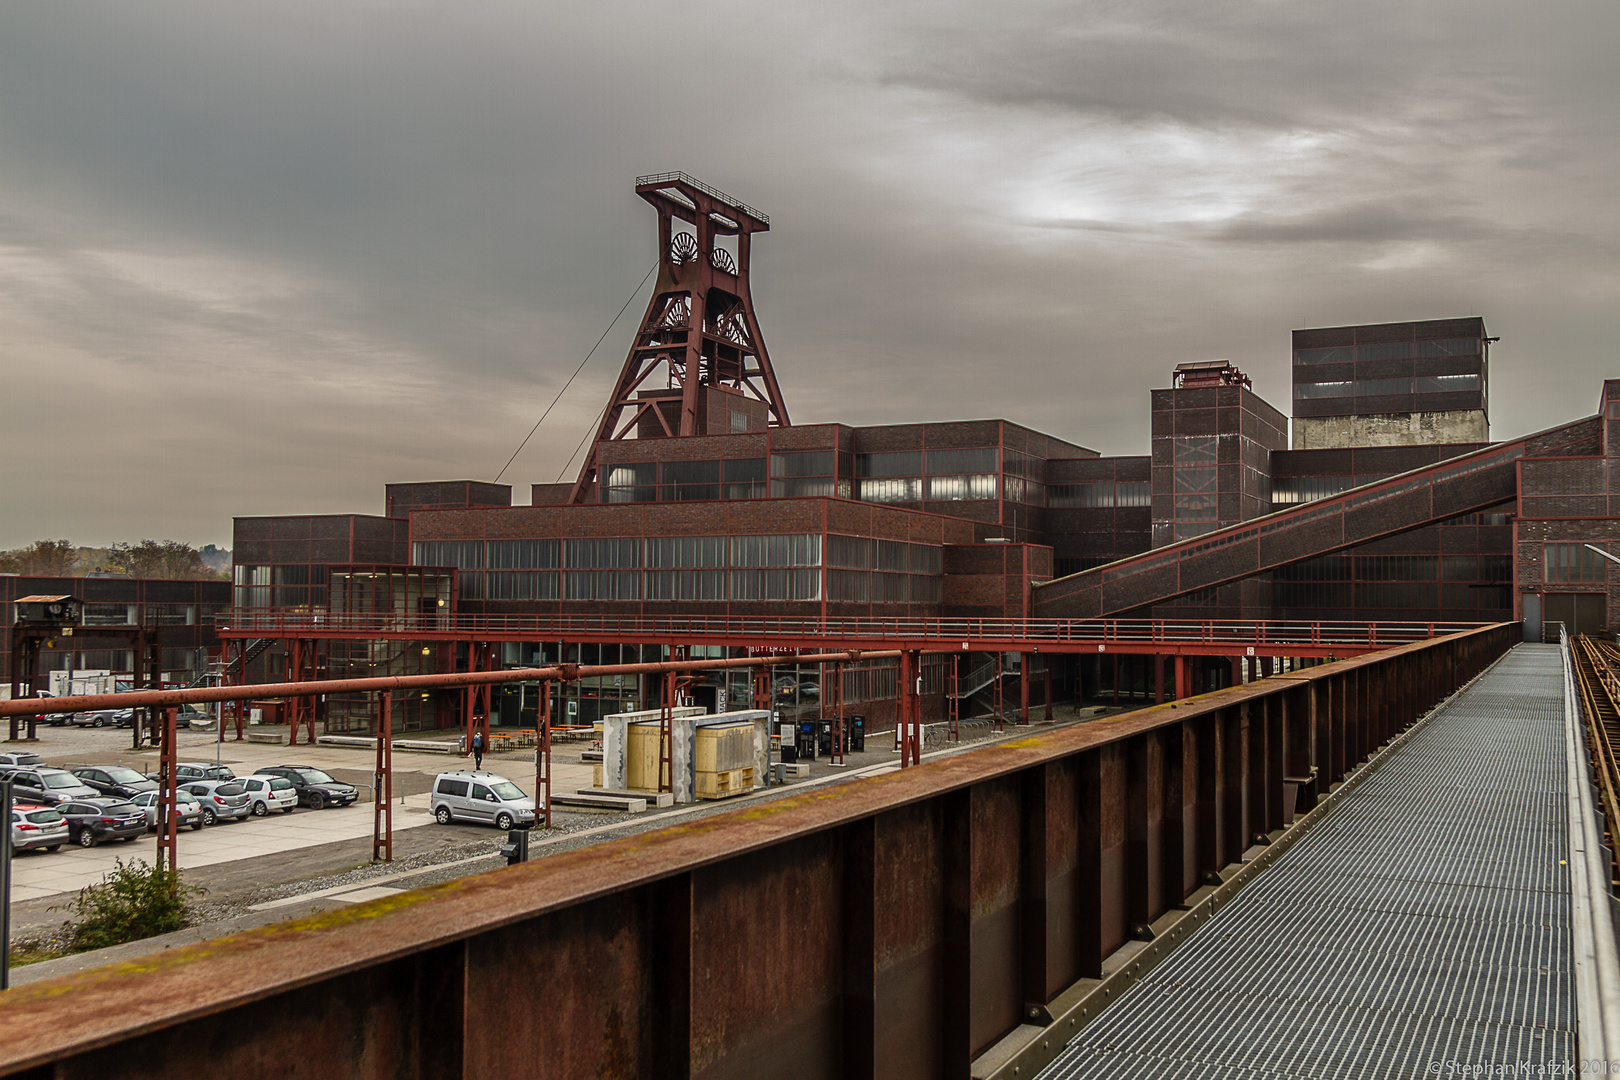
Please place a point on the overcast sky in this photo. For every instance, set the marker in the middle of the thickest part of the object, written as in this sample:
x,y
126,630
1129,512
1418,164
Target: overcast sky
x,y
262,258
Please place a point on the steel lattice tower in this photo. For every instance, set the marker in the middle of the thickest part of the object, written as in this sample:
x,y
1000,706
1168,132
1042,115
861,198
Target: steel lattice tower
x,y
699,332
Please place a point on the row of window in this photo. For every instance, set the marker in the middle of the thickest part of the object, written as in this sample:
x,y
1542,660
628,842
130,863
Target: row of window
x,y
1372,568
280,596
943,463
1572,563
1102,495
621,552
860,553
290,574
770,583
911,489
1422,384
147,614
1388,350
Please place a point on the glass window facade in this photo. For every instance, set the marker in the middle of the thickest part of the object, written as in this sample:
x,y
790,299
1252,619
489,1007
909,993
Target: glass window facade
x,y
1571,563
787,566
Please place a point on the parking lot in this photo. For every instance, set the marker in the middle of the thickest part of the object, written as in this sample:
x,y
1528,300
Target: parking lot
x,y
39,875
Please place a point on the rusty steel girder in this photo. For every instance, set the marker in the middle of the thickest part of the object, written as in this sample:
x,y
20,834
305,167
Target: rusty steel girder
x,y
897,926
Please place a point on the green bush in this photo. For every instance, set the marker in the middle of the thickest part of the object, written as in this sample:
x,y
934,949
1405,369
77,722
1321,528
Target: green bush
x,y
132,901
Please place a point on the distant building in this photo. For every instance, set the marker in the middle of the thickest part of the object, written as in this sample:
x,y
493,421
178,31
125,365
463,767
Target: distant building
x,y
1391,384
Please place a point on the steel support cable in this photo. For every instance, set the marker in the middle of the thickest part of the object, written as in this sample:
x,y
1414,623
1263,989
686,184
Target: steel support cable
x,y
1597,965
571,379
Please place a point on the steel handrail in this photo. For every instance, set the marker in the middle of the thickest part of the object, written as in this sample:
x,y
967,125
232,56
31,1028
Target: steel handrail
x,y
1318,633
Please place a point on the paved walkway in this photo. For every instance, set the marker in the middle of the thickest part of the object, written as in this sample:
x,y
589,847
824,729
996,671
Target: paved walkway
x,y
1421,930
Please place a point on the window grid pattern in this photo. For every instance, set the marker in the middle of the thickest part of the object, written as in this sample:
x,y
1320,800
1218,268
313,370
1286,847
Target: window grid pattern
x,y
1572,564
714,568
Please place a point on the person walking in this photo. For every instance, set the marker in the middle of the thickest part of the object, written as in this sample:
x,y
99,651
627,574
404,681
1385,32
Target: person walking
x,y
478,750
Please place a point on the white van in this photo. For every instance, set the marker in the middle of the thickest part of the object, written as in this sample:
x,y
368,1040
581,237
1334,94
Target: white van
x,y
466,795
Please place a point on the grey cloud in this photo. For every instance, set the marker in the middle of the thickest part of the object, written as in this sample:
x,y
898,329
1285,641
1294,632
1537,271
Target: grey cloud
x,y
332,246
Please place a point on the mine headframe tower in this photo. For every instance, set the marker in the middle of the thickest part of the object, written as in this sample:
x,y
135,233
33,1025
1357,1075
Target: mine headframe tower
x,y
698,365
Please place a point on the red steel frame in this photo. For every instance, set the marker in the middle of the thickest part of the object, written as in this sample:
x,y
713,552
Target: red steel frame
x,y
382,785
302,666
168,825
542,752
476,699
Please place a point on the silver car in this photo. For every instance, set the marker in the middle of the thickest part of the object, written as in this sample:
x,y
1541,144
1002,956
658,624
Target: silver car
x,y
37,827
464,795
185,805
222,800
202,770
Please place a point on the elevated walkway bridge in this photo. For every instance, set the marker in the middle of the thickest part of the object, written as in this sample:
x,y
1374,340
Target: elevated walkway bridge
x,y
1388,865
1426,496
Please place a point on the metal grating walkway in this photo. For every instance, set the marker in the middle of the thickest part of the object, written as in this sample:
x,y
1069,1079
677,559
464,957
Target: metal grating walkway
x,y
1422,929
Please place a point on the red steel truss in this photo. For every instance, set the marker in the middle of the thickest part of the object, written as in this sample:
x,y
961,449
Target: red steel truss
x,y
699,337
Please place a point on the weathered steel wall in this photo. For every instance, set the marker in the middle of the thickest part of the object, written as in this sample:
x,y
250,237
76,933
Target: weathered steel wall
x,y
895,926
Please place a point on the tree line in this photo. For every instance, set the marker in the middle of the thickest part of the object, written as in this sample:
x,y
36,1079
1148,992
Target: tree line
x,y
145,559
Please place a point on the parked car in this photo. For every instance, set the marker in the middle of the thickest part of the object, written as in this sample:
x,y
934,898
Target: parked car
x,y
90,821
316,789
47,787
222,800
20,757
40,827
126,718
117,780
202,770
466,795
95,717
186,807
267,793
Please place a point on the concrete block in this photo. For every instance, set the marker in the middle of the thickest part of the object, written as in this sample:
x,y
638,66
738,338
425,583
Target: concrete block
x,y
655,798
600,803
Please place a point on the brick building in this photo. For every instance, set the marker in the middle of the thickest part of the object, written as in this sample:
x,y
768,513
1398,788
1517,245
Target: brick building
x,y
990,519
182,610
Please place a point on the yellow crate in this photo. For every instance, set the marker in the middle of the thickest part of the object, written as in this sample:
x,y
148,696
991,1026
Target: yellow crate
x,y
724,747
723,785
641,757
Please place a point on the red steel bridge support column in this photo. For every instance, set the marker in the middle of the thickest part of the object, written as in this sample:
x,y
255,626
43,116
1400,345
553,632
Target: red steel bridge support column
x,y
168,824
1023,688
542,752
301,667
837,757
382,786
475,699
953,700
909,720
